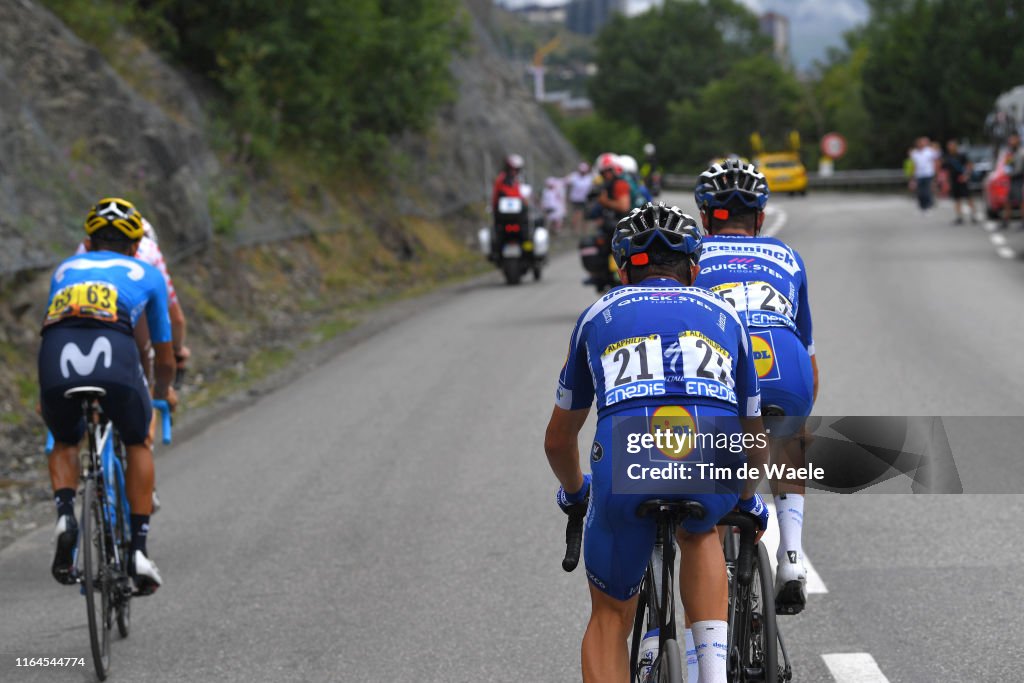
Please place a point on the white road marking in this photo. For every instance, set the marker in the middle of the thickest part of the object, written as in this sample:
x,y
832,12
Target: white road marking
x,y
854,667
779,216
990,225
815,584
1006,252
997,239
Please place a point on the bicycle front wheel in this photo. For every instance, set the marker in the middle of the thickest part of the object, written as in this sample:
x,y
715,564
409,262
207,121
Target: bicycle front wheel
x,y
122,589
94,578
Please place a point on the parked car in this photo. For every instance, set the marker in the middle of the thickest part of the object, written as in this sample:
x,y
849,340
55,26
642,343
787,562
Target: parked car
x,y
997,188
784,172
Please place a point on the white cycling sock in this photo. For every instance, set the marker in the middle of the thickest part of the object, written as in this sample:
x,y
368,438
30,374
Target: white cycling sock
x,y
691,657
789,508
710,639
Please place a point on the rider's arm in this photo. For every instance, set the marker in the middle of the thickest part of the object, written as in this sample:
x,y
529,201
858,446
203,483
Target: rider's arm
x,y
159,323
803,322
163,370
561,444
614,198
572,405
178,328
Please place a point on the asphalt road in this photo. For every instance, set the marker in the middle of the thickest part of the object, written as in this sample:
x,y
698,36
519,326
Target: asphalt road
x,y
390,516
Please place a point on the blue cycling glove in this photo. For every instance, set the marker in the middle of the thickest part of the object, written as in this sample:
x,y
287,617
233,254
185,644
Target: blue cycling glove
x,y
567,501
755,506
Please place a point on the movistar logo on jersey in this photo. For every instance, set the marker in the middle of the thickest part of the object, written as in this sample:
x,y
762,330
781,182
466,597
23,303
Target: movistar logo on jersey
x,y
135,270
71,357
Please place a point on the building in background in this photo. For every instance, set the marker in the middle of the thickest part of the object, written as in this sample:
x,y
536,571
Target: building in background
x,y
536,13
776,27
588,16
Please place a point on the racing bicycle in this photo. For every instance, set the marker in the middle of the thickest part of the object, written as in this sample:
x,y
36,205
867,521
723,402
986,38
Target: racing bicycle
x,y
104,539
754,640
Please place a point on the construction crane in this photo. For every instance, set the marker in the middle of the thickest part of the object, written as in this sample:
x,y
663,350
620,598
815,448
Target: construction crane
x,y
538,66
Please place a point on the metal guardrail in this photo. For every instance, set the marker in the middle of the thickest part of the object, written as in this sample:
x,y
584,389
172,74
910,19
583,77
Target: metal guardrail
x,y
875,178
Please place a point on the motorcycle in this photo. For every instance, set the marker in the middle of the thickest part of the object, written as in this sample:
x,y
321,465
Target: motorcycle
x,y
596,256
515,246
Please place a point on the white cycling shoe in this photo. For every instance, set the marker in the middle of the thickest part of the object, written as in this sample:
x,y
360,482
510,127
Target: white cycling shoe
x,y
145,574
790,584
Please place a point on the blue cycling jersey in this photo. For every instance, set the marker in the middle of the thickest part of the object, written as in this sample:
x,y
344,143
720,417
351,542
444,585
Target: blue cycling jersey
x,y
658,343
762,278
108,289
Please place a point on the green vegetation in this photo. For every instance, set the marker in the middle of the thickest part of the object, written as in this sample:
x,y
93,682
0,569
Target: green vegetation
x,y
334,79
697,79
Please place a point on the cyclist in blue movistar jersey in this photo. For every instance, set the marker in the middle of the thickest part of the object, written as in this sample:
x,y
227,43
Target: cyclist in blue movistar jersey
x,y
766,282
95,301
663,360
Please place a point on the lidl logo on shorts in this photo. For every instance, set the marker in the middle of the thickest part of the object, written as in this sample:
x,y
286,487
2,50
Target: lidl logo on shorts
x,y
675,427
763,349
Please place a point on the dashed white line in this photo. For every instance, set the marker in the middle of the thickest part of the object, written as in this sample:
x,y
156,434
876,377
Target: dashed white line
x,y
854,667
1006,252
815,584
997,239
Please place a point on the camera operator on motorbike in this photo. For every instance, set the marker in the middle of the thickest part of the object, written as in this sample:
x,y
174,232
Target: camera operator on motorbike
x,y
508,203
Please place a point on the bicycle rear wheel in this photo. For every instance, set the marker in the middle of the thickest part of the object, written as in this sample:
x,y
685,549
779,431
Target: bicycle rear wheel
x,y
669,666
94,578
764,611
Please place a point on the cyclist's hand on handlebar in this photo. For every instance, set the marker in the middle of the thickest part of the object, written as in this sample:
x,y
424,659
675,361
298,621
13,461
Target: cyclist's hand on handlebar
x,y
171,398
755,506
568,501
181,356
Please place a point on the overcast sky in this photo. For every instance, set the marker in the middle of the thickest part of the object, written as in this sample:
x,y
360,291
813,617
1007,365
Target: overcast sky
x,y
813,24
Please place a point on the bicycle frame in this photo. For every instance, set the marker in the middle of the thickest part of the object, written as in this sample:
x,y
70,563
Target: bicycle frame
x,y
109,474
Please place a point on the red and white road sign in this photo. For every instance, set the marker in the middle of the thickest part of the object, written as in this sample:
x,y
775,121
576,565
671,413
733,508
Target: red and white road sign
x,y
833,145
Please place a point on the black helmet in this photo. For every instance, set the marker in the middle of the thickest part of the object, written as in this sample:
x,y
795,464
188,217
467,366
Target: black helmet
x,y
635,233
731,185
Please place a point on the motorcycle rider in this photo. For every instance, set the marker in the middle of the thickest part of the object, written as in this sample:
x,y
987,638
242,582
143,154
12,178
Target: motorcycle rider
x,y
507,185
650,172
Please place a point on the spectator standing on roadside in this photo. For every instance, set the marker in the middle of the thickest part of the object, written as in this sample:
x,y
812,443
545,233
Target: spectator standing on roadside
x,y
1015,169
552,203
925,158
958,166
580,184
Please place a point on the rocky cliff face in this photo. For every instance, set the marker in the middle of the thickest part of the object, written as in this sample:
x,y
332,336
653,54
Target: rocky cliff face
x,y
72,130
495,115
301,258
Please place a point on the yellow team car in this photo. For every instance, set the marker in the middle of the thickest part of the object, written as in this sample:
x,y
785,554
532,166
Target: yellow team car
x,y
783,171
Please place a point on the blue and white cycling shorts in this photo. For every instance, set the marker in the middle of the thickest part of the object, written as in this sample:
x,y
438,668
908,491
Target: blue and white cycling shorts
x,y
617,542
72,356
784,372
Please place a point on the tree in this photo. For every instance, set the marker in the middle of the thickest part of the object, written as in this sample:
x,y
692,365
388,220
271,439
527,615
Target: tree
x,y
334,78
755,95
935,67
667,55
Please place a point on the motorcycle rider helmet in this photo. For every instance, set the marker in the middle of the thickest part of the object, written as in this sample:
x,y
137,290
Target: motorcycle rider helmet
x,y
117,213
628,164
609,162
514,161
731,187
635,233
